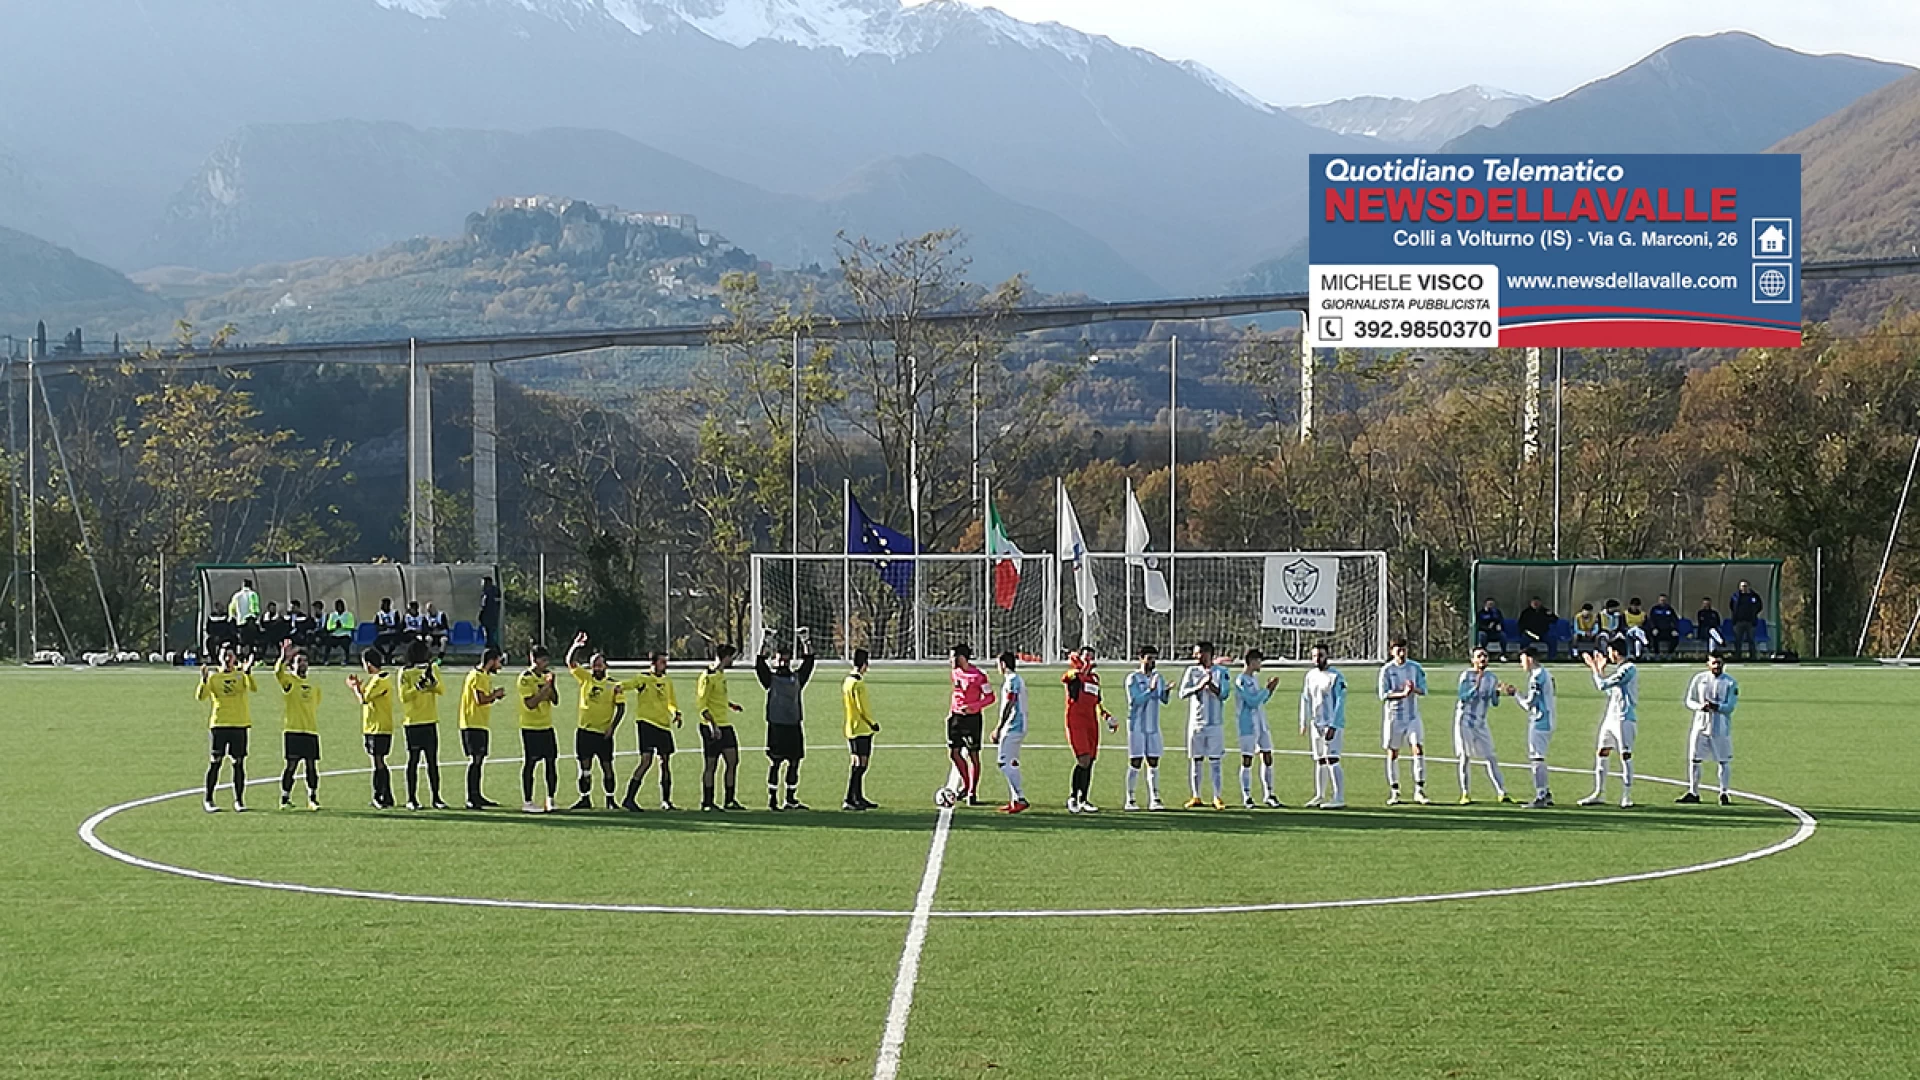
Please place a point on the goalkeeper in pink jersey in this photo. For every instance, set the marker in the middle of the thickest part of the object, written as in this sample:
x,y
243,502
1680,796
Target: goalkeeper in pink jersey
x,y
964,725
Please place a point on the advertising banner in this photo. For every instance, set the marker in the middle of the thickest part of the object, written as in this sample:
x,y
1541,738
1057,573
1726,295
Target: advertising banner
x,y
1300,592
1604,251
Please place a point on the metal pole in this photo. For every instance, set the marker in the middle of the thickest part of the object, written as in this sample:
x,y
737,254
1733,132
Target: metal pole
x,y
1818,559
979,506
1126,572
413,451
913,493
1559,393
13,518
793,500
543,597
163,601
986,547
666,601
1908,640
846,567
486,471
1306,380
1426,600
1530,421
1173,492
33,535
1880,578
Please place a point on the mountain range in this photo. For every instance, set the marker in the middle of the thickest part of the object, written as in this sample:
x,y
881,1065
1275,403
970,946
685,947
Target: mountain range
x,y
1426,124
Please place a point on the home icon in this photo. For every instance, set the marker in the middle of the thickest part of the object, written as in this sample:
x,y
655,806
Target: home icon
x,y
1773,238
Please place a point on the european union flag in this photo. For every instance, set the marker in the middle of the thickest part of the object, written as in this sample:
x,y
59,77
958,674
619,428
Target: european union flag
x,y
866,536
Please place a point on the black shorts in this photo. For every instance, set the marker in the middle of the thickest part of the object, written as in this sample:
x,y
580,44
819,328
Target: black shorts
x,y
300,745
423,737
539,744
228,742
716,740
475,741
378,745
861,745
588,745
963,731
786,742
655,739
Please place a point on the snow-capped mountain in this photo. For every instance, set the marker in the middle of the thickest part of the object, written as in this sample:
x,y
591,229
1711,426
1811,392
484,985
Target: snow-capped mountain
x,y
1425,124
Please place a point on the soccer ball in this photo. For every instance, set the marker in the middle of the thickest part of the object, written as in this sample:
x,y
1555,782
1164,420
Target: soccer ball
x,y
945,797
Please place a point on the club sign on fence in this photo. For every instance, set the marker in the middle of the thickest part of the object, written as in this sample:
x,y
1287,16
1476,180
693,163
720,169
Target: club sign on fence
x,y
1301,592
1589,251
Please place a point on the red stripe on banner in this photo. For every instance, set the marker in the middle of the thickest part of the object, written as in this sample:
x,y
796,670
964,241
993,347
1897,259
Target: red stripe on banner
x,y
1574,309
1645,334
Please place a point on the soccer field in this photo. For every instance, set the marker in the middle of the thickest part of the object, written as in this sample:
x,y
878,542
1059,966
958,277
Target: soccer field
x,y
1801,963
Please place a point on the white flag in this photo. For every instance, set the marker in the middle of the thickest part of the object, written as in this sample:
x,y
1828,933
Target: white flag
x,y
1073,549
1157,597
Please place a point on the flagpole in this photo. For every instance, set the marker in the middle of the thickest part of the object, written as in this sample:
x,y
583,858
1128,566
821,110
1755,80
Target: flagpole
x,y
979,507
1127,570
846,566
986,546
1173,495
1059,549
793,499
913,492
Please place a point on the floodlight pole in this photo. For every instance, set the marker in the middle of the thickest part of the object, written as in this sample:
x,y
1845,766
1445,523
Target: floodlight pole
x,y
1530,423
1559,393
913,491
33,536
793,501
1173,491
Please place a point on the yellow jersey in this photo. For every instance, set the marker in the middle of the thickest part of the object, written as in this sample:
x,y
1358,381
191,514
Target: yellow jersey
x,y
472,713
853,695
598,695
301,698
539,718
228,691
420,690
710,697
376,708
651,698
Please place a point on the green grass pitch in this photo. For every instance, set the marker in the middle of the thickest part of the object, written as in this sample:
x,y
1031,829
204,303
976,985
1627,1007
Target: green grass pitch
x,y
1801,964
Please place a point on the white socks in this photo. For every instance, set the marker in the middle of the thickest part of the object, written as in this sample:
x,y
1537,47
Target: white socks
x,y
1320,782
1693,778
1153,782
1460,767
1214,764
1393,772
1133,781
1599,777
1193,776
1626,776
1246,783
1419,770
1339,774
1726,777
1266,778
1012,773
1493,774
1539,779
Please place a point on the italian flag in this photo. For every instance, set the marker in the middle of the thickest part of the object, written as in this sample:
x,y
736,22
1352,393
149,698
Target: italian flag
x,y
1005,558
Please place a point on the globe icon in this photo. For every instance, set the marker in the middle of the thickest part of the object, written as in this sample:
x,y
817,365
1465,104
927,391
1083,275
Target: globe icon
x,y
1773,283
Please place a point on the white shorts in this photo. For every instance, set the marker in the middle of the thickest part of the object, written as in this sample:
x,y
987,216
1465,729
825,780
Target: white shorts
x,y
1010,746
1259,740
1328,748
1471,740
1704,745
1146,744
1537,740
1399,733
1207,742
1617,734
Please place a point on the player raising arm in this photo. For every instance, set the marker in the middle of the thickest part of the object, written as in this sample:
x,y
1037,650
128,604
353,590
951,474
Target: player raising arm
x,y
718,740
229,723
1712,696
1147,690
1617,724
1323,716
786,718
300,742
1011,732
1536,697
594,721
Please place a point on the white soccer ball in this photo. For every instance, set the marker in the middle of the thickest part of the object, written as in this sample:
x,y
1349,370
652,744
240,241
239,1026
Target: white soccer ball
x,y
945,797
156,658
57,659
97,659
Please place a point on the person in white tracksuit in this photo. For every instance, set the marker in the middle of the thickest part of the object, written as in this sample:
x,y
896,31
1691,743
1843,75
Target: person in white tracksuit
x,y
1323,716
1479,691
1711,696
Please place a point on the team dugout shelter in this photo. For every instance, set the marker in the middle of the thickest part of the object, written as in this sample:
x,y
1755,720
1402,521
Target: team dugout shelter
x,y
451,587
1565,585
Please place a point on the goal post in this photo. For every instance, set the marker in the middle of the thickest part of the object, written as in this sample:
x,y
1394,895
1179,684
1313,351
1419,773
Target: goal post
x,y
1032,608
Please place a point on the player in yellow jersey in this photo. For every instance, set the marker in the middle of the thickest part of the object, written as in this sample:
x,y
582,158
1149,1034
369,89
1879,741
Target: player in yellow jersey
x,y
533,689
650,698
860,732
477,695
420,691
375,695
301,741
718,742
227,690
598,716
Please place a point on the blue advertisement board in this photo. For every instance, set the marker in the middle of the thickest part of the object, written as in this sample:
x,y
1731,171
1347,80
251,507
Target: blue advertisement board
x,y
1625,250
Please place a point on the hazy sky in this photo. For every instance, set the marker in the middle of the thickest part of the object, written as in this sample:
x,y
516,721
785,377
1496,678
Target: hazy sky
x,y
1298,51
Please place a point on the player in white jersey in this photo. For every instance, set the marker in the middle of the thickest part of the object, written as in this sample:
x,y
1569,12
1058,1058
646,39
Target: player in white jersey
x,y
1205,686
1403,683
1255,736
1010,732
1712,696
1622,688
1536,697
1323,715
1147,690
1479,691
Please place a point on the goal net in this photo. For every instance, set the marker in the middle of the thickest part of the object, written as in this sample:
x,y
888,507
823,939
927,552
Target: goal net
x,y
907,607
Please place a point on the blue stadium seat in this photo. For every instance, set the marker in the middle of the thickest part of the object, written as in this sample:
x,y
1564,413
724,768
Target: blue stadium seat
x,y
465,636
1762,636
365,634
1686,628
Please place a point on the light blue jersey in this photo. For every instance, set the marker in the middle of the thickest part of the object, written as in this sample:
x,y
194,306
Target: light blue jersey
x,y
1013,691
1395,677
1146,692
1537,699
1478,692
1623,692
1253,695
1323,699
1206,709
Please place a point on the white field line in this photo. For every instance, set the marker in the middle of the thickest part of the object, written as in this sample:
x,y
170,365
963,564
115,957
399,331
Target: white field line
x,y
89,835
887,1065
